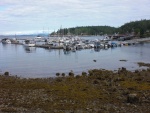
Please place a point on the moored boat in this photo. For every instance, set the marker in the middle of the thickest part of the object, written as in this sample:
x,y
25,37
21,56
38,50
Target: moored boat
x,y
39,39
6,41
29,43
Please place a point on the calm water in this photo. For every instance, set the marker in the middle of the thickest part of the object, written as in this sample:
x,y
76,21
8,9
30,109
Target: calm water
x,y
38,62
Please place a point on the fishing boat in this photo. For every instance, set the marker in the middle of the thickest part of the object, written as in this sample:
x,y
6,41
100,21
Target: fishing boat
x,y
29,43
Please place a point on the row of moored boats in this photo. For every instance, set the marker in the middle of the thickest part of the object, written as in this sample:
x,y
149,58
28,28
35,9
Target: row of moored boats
x,y
69,43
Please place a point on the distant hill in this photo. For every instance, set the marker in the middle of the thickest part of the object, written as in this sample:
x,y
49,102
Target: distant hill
x,y
87,30
34,34
139,28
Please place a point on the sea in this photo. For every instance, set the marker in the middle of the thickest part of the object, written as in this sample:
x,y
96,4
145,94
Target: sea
x,y
35,62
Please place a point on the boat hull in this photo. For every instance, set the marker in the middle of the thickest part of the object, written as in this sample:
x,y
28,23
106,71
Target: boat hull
x,y
29,45
6,41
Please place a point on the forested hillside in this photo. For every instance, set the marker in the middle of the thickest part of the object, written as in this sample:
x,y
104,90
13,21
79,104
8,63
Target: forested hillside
x,y
87,30
139,28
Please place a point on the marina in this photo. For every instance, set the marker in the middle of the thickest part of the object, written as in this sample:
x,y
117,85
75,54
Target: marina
x,y
74,56
45,60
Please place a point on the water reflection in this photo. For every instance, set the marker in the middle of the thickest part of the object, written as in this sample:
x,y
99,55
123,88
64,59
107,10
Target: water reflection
x,y
4,45
29,49
66,52
97,49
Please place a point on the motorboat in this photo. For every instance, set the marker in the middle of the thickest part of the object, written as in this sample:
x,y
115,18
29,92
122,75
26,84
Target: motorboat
x,y
6,41
39,39
29,43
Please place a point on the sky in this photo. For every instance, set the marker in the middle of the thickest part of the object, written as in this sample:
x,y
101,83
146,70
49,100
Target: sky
x,y
37,16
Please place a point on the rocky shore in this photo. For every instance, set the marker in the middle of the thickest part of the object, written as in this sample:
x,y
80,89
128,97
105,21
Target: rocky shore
x,y
98,91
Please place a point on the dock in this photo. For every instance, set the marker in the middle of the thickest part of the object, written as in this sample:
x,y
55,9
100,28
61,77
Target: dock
x,y
48,46
142,39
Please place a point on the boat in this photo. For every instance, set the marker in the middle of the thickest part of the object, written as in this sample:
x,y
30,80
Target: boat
x,y
39,39
29,43
66,46
97,44
6,41
79,46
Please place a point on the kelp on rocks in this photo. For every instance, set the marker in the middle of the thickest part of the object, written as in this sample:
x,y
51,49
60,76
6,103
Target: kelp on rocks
x,y
96,91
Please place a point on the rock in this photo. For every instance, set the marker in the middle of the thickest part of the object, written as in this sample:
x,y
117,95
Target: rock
x,y
6,73
123,69
132,98
95,82
94,60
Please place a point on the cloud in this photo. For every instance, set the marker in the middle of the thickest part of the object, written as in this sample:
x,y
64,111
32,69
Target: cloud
x,y
33,15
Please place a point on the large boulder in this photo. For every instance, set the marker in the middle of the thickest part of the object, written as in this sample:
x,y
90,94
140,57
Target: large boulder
x,y
132,98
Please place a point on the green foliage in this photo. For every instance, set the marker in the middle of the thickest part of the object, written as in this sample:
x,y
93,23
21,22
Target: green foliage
x,y
87,30
139,28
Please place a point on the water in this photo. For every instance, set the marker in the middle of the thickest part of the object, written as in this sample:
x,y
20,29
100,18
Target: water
x,y
38,62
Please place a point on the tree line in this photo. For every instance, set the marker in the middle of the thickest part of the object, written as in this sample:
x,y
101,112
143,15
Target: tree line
x,y
138,28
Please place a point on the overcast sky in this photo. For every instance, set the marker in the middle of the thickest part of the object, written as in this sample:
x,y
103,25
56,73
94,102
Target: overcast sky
x,y
35,16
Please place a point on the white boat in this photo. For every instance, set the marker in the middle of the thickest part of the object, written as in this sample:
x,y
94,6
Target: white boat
x,y
29,43
66,47
39,39
91,45
6,41
79,46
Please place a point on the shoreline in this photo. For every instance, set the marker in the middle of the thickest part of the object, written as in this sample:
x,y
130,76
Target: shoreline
x,y
89,92
141,66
